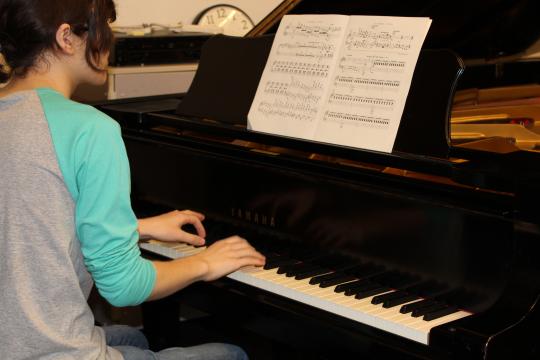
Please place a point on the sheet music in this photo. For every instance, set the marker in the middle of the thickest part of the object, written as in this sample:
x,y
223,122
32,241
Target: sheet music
x,y
296,78
339,79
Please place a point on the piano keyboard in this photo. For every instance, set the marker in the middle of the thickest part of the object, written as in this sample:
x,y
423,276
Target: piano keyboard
x,y
384,309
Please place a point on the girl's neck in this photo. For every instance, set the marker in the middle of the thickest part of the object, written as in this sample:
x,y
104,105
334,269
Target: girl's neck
x,y
35,78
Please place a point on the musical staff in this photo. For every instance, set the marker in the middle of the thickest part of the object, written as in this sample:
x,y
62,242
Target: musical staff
x,y
363,65
371,39
284,89
356,120
300,68
362,101
285,110
355,83
324,31
314,50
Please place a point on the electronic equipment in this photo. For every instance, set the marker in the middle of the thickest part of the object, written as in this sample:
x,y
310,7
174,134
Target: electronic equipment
x,y
157,48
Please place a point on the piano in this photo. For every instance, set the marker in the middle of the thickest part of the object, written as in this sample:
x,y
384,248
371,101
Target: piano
x,y
429,252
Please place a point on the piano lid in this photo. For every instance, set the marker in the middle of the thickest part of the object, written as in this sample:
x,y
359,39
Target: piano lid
x,y
475,29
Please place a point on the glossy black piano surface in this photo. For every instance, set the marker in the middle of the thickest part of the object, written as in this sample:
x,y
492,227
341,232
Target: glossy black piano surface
x,y
452,219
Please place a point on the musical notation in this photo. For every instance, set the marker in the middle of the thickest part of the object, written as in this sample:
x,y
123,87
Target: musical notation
x,y
324,31
338,79
285,89
363,65
362,101
285,110
314,50
372,39
355,83
300,68
356,120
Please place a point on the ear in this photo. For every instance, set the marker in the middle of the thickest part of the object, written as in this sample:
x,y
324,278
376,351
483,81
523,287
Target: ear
x,y
65,39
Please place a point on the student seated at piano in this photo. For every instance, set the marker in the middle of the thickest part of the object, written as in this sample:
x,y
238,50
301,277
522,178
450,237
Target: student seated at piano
x,y
66,220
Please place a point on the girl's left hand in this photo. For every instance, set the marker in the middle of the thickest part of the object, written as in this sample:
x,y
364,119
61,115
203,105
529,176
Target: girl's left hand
x,y
168,227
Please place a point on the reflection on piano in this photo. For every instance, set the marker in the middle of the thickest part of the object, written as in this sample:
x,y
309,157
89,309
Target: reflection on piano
x,y
429,252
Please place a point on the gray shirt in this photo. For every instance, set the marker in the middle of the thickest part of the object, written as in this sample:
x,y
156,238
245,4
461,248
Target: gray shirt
x,y
43,303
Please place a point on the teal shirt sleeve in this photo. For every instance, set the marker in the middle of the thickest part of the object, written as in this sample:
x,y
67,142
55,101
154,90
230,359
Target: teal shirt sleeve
x,y
93,161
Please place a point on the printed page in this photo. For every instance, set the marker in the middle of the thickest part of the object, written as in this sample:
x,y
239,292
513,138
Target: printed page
x,y
371,81
296,78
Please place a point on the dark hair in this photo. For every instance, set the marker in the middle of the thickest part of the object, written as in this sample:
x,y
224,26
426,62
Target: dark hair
x,y
28,29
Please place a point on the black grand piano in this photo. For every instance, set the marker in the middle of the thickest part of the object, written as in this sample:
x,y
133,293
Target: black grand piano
x,y
429,252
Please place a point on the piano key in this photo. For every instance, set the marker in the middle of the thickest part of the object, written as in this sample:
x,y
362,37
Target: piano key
x,y
336,281
426,325
327,298
349,285
283,269
379,299
365,285
400,301
310,274
440,313
331,275
426,309
301,268
279,262
416,305
370,292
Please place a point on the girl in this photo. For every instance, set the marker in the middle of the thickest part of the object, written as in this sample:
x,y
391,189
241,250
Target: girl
x,y
65,216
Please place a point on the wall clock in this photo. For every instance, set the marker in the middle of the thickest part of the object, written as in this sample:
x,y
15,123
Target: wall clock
x,y
234,21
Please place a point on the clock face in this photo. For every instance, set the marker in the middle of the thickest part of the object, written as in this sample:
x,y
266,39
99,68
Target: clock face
x,y
231,19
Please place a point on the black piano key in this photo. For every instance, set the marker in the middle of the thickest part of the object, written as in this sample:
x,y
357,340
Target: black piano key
x,y
288,266
278,262
336,281
370,292
299,268
427,309
440,313
357,289
416,305
379,299
399,301
351,285
317,279
307,274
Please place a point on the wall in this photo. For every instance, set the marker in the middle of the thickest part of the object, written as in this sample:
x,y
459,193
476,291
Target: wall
x,y
170,12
